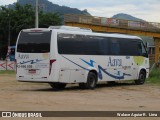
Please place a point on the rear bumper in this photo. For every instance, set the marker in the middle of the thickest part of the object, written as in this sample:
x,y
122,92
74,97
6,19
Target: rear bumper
x,y
53,77
21,79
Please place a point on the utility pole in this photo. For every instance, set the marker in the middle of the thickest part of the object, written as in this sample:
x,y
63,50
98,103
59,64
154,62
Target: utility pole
x,y
36,16
9,31
9,36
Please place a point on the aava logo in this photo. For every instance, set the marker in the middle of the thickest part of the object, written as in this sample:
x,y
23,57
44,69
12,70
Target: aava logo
x,y
23,56
114,62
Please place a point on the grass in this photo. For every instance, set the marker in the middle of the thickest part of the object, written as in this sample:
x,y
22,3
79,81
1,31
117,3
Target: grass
x,y
154,77
9,72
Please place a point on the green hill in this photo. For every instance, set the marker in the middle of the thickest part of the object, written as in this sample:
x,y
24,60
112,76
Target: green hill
x,y
46,6
126,17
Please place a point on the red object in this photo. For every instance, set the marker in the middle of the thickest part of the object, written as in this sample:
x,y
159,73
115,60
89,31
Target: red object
x,y
15,61
50,67
2,65
32,71
36,30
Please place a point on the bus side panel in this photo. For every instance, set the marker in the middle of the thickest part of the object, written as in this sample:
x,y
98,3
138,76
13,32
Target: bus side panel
x,y
142,63
120,68
54,73
75,68
70,72
64,70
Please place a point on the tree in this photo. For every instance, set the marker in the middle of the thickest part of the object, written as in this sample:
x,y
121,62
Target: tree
x,y
21,17
49,19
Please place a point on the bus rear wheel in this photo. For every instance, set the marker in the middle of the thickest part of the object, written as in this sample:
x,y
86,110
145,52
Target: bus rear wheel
x,y
91,81
58,85
141,79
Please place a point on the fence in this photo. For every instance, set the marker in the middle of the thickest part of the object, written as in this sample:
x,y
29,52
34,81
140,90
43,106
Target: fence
x,y
111,22
7,65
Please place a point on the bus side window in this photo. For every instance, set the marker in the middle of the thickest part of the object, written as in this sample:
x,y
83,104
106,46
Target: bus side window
x,y
141,49
104,46
115,48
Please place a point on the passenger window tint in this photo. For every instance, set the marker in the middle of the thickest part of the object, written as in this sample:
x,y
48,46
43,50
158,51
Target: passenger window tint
x,y
98,45
142,50
115,48
125,48
34,42
104,45
132,48
78,44
129,47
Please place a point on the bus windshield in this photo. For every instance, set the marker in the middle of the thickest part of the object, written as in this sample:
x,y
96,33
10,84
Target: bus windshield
x,y
34,42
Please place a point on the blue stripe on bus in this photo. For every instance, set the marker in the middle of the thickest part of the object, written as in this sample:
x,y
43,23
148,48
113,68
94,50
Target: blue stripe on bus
x,y
100,69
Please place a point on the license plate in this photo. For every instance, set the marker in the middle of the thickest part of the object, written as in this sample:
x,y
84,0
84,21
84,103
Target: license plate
x,y
32,71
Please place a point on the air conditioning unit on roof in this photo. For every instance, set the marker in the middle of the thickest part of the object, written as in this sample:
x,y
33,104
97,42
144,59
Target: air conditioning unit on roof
x,y
71,28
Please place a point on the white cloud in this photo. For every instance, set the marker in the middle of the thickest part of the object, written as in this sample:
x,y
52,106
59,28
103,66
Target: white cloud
x,y
144,9
111,10
6,2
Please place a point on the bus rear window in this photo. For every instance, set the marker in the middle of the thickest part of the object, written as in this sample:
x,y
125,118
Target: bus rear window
x,y
34,42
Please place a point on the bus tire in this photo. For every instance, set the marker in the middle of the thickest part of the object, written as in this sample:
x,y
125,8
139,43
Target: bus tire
x,y
58,85
91,81
141,79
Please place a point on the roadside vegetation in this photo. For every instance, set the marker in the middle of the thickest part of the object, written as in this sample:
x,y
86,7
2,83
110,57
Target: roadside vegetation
x,y
13,20
154,77
8,72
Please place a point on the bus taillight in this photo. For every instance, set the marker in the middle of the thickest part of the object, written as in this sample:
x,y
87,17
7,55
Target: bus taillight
x,y
50,67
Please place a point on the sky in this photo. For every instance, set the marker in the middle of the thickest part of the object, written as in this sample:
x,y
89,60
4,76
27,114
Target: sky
x,y
144,9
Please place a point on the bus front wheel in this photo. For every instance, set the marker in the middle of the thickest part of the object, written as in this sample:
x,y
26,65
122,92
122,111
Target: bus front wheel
x,y
141,79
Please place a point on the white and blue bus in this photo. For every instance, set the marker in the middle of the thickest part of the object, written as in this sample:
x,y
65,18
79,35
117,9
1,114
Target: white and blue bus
x,y
61,54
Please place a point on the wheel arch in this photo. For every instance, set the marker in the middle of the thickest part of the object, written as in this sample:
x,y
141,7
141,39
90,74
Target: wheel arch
x,y
144,70
141,77
91,69
95,72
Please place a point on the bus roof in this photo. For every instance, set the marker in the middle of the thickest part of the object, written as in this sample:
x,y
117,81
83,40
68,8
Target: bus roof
x,y
100,34
78,30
